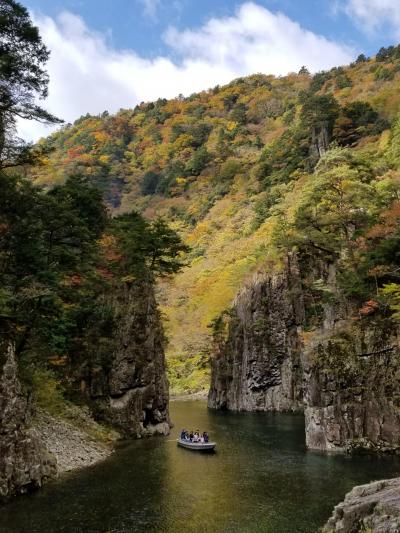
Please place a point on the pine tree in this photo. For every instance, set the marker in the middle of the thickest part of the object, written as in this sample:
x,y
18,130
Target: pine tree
x,y
23,79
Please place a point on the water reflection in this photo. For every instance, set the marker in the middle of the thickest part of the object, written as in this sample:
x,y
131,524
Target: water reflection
x,y
261,479
124,493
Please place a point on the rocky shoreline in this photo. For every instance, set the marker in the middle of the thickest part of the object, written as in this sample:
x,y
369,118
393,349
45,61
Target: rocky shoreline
x,y
71,447
200,395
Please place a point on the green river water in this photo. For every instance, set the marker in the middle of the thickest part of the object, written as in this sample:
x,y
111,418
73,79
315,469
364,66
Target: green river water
x,y
261,479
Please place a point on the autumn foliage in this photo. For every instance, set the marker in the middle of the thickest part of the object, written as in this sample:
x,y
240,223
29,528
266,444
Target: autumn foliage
x,y
244,173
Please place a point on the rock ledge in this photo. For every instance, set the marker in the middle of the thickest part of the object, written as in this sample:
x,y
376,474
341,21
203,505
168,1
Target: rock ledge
x,y
374,507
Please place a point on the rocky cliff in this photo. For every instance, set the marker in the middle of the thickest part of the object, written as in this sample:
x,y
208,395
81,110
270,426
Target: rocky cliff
x,y
352,381
343,373
374,507
131,393
24,462
258,364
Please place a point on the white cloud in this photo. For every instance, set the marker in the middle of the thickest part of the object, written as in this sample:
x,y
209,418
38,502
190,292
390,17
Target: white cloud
x,y
88,76
372,15
150,7
256,40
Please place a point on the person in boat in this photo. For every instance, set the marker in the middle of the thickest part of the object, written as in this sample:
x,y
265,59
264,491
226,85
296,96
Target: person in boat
x,y
183,434
205,437
191,436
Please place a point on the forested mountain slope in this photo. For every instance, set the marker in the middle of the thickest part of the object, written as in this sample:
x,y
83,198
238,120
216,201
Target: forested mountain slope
x,y
233,170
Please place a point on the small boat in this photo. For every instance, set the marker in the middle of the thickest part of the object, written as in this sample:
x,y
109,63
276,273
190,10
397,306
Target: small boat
x,y
197,446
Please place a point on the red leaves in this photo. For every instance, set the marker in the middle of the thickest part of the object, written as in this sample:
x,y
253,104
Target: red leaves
x,y
75,152
369,308
390,219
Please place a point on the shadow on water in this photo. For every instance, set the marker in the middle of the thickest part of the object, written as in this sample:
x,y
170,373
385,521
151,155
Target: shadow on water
x,y
260,479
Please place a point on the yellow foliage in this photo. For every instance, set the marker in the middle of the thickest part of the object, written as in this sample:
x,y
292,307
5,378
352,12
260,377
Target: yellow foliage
x,y
183,141
384,140
100,136
215,217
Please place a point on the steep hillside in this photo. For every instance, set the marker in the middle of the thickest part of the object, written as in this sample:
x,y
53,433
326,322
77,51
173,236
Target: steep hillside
x,y
220,166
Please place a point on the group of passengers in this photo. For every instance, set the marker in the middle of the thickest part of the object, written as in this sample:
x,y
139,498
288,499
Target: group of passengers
x,y
194,436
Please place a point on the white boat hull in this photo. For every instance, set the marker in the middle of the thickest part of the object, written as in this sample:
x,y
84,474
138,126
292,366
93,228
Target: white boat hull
x,y
197,446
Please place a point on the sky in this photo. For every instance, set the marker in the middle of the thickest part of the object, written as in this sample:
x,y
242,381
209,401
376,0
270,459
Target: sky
x,y
112,54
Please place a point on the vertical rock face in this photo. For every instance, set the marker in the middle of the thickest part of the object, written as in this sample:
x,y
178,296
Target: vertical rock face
x,y
320,140
374,507
353,388
344,374
130,392
133,393
24,463
258,366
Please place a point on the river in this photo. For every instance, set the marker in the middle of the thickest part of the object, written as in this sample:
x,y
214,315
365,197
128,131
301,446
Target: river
x,y
261,479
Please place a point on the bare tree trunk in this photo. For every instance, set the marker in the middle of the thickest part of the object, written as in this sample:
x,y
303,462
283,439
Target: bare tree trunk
x,y
2,137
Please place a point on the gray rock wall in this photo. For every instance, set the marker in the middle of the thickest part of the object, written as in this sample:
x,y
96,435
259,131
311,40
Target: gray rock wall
x,y
24,462
353,387
132,394
258,366
345,373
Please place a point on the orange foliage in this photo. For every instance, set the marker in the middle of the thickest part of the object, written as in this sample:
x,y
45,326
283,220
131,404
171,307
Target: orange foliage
x,y
100,136
75,151
369,308
390,220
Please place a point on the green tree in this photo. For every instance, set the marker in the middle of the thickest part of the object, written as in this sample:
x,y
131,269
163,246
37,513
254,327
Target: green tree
x,y
362,58
357,119
239,114
304,71
334,205
147,249
383,74
391,293
318,111
149,183
198,162
393,151
45,241
23,79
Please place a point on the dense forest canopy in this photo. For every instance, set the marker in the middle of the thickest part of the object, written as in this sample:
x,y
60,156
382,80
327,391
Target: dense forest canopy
x,y
246,172
242,173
